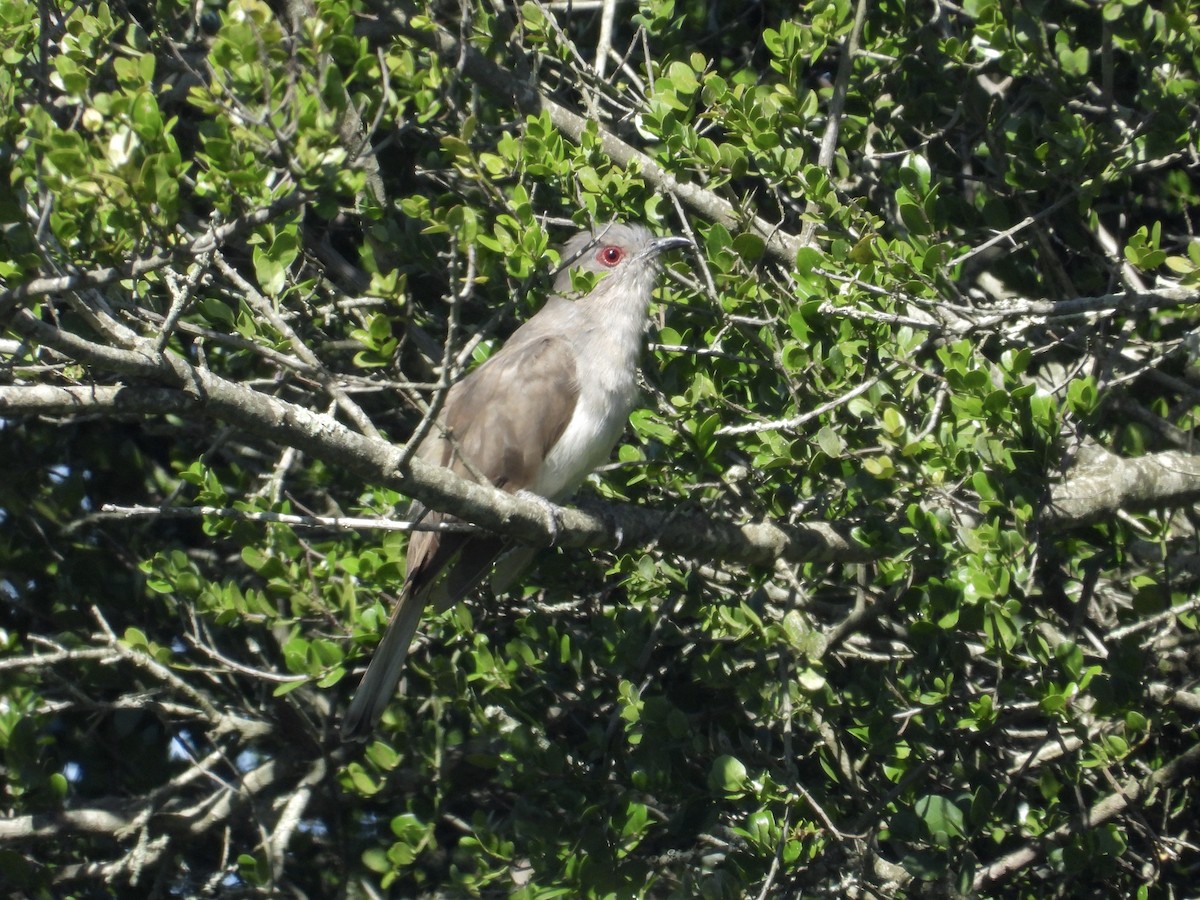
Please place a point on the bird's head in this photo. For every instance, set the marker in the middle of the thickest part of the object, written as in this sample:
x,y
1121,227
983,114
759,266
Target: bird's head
x,y
617,249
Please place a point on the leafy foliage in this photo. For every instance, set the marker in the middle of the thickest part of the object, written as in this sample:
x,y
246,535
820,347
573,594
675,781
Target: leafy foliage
x,y
971,309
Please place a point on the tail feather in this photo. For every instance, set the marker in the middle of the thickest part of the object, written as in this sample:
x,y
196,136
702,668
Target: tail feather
x,y
383,673
387,664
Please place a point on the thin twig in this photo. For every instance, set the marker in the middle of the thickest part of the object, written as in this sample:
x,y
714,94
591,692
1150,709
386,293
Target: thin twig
x,y
1132,792
181,294
266,309
41,287
798,421
608,14
337,523
445,378
837,106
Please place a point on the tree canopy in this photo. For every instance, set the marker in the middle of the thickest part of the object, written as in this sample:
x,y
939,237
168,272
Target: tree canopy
x,y
889,590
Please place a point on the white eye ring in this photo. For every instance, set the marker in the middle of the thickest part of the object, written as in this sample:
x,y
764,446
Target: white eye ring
x,y
610,255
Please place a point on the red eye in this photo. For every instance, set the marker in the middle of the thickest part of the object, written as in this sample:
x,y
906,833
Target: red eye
x,y
610,255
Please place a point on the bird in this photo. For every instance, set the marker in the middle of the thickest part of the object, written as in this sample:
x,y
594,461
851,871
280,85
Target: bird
x,y
537,417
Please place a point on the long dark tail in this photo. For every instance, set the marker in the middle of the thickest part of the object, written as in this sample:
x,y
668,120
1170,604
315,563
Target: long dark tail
x,y
383,673
471,561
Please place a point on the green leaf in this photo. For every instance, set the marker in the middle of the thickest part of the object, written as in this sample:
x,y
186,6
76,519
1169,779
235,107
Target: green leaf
x,y
682,77
750,247
829,442
727,775
362,781
942,817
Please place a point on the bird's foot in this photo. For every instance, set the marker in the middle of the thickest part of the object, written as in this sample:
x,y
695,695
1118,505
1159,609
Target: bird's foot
x,y
552,511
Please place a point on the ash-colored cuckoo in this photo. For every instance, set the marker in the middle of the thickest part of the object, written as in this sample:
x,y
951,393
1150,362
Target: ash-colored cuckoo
x,y
538,416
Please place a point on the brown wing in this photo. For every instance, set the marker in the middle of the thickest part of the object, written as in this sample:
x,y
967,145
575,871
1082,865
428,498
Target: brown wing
x,y
499,423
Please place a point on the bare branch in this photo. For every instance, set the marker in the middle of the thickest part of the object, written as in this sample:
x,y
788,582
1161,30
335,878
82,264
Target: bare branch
x,y
1129,793
337,523
96,821
263,307
795,422
837,107
530,100
200,392
289,817
1108,483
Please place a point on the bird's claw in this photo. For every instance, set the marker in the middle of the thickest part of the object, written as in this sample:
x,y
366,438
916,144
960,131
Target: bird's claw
x,y
553,513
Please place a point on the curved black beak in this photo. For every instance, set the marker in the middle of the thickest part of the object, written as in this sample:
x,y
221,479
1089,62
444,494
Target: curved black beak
x,y
671,242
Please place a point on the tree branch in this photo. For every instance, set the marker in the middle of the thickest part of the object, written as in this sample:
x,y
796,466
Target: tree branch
x,y
333,523
1129,793
1090,494
837,107
55,824
526,97
198,392
1107,484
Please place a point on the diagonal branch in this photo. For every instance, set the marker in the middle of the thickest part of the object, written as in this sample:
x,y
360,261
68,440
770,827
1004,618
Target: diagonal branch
x,y
192,391
526,97
837,107
1091,493
1107,484
1112,805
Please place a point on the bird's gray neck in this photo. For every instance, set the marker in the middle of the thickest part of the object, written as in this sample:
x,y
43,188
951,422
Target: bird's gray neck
x,y
612,332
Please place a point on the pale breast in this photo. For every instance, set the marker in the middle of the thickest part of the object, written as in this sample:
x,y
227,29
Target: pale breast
x,y
599,418
607,341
